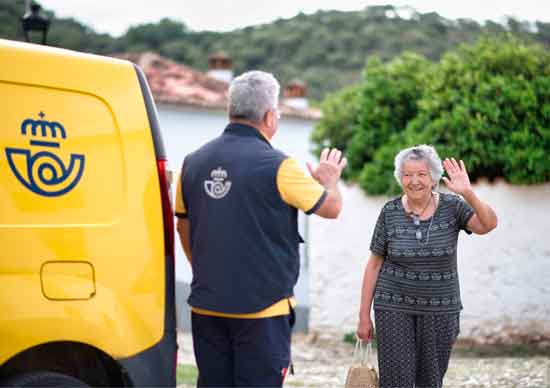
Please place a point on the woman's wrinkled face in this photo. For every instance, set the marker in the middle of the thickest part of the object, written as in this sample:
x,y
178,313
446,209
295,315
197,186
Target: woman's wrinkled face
x,y
416,179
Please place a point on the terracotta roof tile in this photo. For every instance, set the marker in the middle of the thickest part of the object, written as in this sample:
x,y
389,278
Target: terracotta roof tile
x,y
174,83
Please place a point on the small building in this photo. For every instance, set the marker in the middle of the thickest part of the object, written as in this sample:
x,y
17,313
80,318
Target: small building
x,y
192,110
220,66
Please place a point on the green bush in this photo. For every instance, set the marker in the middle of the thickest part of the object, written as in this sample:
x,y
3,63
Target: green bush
x,y
340,117
488,104
361,118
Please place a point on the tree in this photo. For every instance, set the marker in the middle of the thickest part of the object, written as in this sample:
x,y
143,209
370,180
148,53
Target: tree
x,y
154,35
487,103
360,119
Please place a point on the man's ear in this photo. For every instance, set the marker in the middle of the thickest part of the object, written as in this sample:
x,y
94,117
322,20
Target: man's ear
x,y
269,118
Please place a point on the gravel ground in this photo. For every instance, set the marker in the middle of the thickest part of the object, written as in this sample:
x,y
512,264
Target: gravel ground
x,y
321,359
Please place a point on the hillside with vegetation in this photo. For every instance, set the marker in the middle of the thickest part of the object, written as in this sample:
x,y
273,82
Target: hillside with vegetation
x,y
327,49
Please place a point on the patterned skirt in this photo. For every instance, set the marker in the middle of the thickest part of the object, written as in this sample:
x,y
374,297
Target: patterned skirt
x,y
414,350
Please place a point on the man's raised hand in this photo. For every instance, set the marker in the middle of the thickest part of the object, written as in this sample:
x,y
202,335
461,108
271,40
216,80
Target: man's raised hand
x,y
329,170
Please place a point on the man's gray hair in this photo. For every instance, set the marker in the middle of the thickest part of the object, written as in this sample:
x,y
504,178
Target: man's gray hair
x,y
419,152
252,94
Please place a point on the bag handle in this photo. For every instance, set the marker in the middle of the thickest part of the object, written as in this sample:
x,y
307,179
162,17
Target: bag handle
x,y
361,353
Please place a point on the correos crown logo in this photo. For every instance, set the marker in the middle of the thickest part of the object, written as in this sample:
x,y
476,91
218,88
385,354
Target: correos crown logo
x,y
218,187
39,169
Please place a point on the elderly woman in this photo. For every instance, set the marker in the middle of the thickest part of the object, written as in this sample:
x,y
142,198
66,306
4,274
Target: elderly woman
x,y
412,273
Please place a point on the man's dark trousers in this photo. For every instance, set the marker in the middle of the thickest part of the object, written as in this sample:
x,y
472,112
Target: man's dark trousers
x,y
233,352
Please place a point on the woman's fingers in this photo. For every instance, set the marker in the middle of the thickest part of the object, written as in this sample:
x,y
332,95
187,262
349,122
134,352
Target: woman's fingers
x,y
343,163
452,167
448,167
369,335
455,164
364,335
365,330
462,166
324,154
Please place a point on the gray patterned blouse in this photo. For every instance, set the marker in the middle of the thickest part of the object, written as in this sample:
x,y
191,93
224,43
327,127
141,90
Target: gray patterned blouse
x,y
419,275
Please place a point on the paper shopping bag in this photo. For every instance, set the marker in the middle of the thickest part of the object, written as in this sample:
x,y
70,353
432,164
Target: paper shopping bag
x,y
362,373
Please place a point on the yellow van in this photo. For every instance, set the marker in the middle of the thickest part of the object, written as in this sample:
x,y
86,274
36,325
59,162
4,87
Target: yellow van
x,y
86,229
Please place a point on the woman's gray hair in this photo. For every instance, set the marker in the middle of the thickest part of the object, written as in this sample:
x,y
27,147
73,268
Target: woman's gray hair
x,y
419,152
252,94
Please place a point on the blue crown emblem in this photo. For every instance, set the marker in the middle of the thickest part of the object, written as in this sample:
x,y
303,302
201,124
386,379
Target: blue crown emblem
x,y
52,126
43,172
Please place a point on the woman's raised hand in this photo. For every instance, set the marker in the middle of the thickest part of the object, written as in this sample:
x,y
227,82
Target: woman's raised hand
x,y
458,181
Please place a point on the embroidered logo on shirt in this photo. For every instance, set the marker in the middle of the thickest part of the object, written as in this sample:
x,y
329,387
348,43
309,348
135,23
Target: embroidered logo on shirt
x,y
218,187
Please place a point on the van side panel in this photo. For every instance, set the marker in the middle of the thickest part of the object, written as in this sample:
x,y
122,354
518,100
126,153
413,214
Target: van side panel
x,y
78,184
49,133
